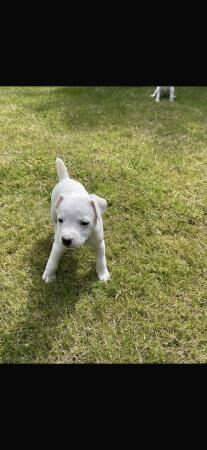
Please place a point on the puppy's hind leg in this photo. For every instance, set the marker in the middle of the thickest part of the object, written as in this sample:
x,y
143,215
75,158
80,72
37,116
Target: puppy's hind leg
x,y
172,92
153,95
158,95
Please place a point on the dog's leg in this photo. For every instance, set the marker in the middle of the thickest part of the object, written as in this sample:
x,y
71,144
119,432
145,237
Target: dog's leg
x,y
158,95
172,91
153,95
101,267
52,263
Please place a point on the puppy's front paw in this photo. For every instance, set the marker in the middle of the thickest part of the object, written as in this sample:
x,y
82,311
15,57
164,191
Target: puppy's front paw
x,y
48,276
104,276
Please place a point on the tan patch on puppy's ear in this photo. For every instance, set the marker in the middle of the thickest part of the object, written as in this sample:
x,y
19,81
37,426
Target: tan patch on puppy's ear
x,y
58,201
96,208
99,204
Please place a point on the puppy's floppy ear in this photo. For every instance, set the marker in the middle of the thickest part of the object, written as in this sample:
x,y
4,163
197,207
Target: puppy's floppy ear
x,y
99,204
59,200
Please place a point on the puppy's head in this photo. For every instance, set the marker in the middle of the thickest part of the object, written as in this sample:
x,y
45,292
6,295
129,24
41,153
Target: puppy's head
x,y
77,216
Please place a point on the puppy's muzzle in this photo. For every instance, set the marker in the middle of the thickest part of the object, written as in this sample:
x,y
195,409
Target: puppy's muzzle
x,y
66,242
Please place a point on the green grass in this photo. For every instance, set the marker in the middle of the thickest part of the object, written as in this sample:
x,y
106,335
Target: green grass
x,y
150,162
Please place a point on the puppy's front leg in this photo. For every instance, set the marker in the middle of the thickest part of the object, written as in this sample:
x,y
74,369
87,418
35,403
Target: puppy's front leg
x,y
101,267
52,264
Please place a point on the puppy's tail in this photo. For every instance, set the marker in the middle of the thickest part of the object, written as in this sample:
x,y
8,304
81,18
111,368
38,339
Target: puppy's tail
x,y
61,169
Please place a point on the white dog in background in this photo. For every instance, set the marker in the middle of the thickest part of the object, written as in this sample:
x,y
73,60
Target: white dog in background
x,y
161,91
77,217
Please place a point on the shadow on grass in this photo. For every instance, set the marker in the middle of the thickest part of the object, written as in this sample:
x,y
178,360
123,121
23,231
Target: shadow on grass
x,y
89,107
102,108
47,307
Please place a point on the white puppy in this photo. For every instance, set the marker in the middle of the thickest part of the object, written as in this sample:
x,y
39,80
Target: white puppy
x,y
77,219
164,91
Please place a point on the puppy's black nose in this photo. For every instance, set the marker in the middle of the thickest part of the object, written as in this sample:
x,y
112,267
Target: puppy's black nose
x,y
66,242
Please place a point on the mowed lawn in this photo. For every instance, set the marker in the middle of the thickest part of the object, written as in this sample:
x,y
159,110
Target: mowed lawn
x,y
150,162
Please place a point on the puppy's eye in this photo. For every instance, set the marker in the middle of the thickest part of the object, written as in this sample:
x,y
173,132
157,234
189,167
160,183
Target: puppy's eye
x,y
84,223
60,220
